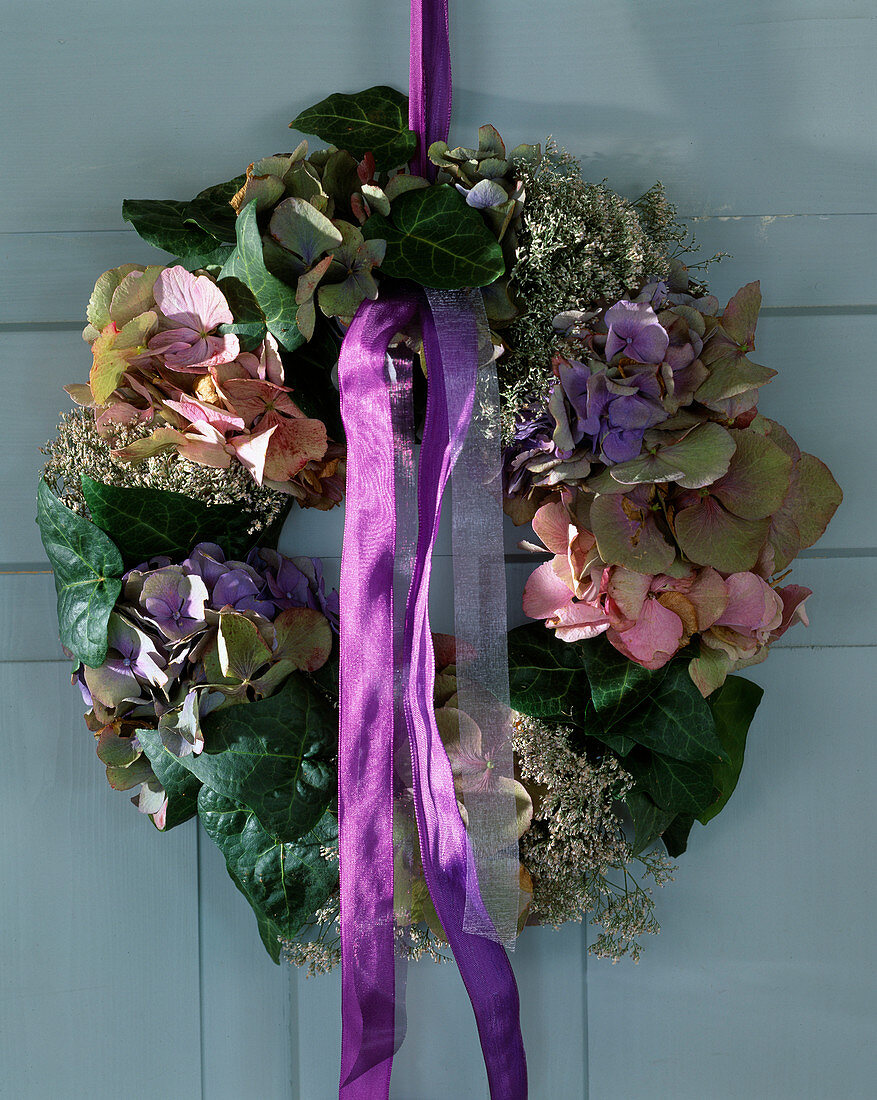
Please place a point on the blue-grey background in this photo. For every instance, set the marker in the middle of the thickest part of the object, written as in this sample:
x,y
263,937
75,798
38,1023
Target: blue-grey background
x,y
129,964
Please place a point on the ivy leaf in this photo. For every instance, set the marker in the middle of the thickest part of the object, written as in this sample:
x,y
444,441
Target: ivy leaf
x,y
180,785
162,223
143,522
649,820
275,299
618,685
675,836
675,720
546,676
284,883
679,786
435,239
733,706
275,756
88,570
374,121
212,212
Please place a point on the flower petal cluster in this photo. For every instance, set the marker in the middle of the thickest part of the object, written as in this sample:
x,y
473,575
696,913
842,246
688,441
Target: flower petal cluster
x,y
161,359
188,637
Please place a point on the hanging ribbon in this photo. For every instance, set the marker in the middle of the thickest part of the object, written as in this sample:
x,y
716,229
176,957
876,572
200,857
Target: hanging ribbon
x,y
371,662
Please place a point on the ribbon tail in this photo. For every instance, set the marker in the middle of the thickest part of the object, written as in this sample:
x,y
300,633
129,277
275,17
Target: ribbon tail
x,y
445,850
365,755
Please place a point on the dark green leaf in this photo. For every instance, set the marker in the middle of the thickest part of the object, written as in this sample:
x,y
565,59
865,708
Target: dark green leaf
x,y
374,121
434,238
546,676
675,719
88,570
162,222
309,371
195,261
211,209
144,522
618,685
677,785
733,706
675,836
181,787
649,820
275,756
284,883
276,300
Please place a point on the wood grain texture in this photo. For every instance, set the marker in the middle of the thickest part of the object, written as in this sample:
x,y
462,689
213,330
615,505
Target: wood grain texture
x,y
739,110
99,952
761,983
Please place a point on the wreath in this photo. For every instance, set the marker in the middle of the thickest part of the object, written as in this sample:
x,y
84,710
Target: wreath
x,y
667,510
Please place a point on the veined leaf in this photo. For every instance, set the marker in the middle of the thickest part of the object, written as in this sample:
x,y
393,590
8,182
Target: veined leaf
x,y
435,239
374,121
284,883
88,571
212,212
276,757
162,223
545,674
180,786
143,522
680,786
675,720
733,706
276,300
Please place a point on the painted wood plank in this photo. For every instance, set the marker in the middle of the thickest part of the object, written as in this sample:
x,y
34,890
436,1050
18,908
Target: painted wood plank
x,y
738,110
56,271
99,953
762,982
245,999
823,417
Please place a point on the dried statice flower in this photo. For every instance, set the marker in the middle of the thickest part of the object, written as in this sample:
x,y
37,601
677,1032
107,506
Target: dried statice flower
x,y
576,847
579,243
79,449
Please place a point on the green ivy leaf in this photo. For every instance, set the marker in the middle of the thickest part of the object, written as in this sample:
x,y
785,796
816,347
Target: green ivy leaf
x,y
675,720
180,785
547,677
675,836
374,121
679,786
733,706
434,238
162,223
211,209
284,883
88,571
649,820
618,685
143,522
275,299
275,756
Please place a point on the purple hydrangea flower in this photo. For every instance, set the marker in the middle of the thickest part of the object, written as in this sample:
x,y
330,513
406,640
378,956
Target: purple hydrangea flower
x,y
635,331
175,601
299,582
612,414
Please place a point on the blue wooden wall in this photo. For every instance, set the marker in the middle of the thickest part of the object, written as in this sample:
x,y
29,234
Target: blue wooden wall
x,y
129,965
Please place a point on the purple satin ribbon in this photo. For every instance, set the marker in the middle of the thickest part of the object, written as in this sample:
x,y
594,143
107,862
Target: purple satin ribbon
x,y
429,80
366,741
370,662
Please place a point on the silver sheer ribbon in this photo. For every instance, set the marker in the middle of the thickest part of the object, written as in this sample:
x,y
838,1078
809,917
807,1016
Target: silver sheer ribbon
x,y
482,755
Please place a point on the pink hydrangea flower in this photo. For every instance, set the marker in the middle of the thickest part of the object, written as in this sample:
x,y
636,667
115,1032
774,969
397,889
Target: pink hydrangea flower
x,y
194,307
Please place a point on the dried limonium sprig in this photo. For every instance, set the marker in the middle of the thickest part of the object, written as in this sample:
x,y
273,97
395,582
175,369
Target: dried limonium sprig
x,y
579,243
576,851
79,449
